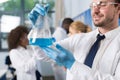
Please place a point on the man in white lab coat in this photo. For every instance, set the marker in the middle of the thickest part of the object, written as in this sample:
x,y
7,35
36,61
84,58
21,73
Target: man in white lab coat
x,y
106,64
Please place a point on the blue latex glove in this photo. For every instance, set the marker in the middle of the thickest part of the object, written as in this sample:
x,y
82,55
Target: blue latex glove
x,y
38,10
60,55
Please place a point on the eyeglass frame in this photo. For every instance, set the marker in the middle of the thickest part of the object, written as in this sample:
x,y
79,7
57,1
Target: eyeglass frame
x,y
101,4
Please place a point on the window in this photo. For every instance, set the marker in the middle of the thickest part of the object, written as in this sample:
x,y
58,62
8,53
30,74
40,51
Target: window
x,y
13,13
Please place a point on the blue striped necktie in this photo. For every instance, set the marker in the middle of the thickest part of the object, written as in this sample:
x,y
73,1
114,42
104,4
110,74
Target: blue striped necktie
x,y
90,57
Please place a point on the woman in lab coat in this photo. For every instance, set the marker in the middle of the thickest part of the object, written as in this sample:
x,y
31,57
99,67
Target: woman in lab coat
x,y
22,56
76,27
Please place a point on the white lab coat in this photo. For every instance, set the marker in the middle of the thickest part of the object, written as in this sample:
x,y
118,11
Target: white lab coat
x,y
60,34
106,65
59,72
25,61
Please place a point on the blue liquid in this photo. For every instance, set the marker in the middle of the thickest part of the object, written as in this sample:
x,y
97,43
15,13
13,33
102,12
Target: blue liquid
x,y
43,42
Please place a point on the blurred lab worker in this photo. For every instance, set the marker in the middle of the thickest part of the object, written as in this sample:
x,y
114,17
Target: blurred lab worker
x,y
94,55
61,33
22,56
76,27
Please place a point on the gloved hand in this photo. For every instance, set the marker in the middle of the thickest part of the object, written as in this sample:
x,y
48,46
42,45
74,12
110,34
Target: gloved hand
x,y
60,55
38,10
40,33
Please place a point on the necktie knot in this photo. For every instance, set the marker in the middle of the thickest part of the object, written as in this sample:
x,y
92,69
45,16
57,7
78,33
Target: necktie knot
x,y
100,37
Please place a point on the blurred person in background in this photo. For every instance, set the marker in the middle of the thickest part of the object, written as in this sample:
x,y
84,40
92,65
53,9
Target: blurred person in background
x,y
61,33
78,27
22,56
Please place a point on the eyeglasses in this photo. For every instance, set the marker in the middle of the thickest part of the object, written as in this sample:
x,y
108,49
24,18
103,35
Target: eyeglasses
x,y
101,4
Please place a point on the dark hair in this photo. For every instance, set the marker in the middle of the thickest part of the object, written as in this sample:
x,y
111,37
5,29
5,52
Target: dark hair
x,y
117,1
15,35
66,23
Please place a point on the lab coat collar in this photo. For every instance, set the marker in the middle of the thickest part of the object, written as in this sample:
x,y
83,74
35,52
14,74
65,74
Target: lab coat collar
x,y
21,48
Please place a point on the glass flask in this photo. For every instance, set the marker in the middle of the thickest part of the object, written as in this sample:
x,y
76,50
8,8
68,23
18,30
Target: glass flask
x,y
40,34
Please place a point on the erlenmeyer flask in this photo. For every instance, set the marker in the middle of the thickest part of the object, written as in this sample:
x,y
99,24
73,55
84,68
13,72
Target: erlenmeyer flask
x,y
40,34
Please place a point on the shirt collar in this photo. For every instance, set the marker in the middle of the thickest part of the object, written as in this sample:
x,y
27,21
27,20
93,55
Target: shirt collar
x,y
110,34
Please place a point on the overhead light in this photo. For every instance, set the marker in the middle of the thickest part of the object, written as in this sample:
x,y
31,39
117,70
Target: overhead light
x,y
2,1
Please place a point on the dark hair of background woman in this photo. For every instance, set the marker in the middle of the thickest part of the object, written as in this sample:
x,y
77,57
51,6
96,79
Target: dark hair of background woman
x,y
15,35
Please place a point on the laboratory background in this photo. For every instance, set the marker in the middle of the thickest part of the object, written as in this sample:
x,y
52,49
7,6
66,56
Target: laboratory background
x,y
15,12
